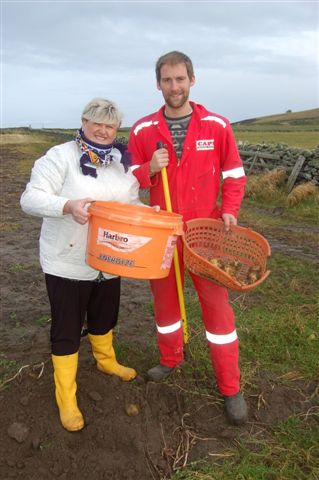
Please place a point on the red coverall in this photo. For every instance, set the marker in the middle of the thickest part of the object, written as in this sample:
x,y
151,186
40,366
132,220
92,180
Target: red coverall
x,y
209,152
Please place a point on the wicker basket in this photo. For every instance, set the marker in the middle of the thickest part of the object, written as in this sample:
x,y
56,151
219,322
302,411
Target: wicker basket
x,y
206,238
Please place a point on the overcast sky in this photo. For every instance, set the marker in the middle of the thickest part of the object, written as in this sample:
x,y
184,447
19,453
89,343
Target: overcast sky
x,y
251,58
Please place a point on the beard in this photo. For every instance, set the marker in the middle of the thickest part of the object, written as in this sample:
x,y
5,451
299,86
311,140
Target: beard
x,y
176,102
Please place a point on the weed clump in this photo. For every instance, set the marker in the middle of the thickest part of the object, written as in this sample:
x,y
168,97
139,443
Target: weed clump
x,y
265,186
301,192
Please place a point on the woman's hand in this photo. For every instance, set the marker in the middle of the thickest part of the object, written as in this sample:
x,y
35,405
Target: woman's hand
x,y
78,209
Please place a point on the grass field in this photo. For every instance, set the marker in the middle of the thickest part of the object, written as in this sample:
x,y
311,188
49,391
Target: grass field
x,y
300,139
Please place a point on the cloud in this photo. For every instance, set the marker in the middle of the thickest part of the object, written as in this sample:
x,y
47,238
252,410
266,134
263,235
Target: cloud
x,y
65,52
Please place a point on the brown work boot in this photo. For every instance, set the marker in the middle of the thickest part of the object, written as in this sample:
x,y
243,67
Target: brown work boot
x,y
236,409
160,372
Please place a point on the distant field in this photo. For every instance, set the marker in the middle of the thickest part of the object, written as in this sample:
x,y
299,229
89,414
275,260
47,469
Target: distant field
x,y
296,129
300,139
304,116
18,138
124,132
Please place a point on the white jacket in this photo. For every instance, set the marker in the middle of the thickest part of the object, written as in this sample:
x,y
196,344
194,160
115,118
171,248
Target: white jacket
x,y
56,178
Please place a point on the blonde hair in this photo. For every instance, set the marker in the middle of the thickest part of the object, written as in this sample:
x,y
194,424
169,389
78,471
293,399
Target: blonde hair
x,y
100,110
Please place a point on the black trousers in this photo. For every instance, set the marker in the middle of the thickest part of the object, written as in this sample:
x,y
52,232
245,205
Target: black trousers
x,y
73,301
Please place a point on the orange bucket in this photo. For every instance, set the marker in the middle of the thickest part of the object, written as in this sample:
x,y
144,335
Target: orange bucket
x,y
131,241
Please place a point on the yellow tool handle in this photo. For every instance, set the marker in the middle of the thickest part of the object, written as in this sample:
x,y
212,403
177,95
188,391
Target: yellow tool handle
x,y
176,262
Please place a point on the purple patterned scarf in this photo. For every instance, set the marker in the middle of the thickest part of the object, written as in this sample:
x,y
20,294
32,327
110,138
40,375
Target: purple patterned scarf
x,y
95,155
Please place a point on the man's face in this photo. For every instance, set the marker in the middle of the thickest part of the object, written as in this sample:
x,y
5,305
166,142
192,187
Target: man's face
x,y
175,84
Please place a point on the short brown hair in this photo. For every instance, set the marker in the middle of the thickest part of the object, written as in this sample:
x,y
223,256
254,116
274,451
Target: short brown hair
x,y
173,58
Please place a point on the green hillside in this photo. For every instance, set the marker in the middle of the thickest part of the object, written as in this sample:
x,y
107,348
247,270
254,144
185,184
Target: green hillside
x,y
297,129
306,119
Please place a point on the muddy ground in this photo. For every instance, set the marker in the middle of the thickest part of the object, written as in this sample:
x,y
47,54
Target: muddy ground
x,y
175,425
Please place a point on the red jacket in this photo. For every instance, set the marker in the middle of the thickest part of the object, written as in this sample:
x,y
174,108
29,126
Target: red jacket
x,y
209,153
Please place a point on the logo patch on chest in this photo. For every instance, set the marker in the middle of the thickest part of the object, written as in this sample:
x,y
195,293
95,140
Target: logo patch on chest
x,y
205,144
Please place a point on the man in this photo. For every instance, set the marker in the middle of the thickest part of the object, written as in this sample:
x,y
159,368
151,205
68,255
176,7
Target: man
x,y
199,148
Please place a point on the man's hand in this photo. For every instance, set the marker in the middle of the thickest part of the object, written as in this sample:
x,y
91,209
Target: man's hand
x,y
159,160
229,219
78,209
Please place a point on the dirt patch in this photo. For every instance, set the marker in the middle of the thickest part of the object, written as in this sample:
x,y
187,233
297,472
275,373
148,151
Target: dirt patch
x,y
293,240
174,425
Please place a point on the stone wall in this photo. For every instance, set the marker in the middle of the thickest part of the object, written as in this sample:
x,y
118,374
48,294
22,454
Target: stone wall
x,y
288,156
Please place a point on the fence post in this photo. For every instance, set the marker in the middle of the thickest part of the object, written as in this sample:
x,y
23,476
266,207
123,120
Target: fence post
x,y
252,164
295,172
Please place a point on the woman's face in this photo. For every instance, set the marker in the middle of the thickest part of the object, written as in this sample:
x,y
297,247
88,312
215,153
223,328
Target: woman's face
x,y
102,133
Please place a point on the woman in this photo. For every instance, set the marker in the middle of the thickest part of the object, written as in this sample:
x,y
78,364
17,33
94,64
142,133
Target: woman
x,y
63,183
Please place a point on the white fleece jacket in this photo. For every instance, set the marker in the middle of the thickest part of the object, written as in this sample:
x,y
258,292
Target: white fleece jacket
x,y
56,178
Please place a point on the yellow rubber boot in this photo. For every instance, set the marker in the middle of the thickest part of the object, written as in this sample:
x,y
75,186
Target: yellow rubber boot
x,y
103,351
65,368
